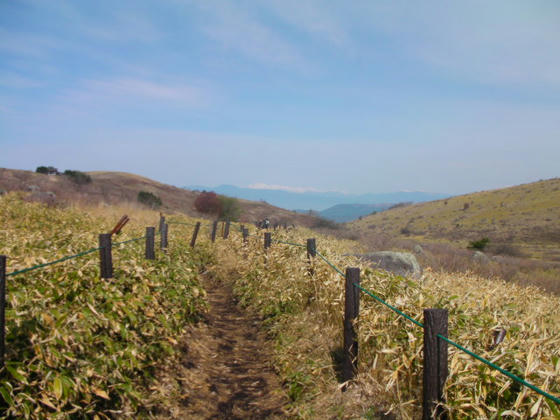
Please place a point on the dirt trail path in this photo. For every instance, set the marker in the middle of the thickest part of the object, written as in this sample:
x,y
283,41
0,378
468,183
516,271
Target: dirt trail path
x,y
225,367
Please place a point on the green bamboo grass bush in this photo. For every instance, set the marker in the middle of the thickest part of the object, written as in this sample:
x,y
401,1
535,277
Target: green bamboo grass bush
x,y
79,346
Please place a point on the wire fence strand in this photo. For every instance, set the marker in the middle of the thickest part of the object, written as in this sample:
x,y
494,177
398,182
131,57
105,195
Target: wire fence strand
x,y
69,257
129,240
498,368
463,349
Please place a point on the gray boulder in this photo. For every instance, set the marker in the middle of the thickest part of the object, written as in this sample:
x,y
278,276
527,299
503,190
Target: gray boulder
x,y
400,263
480,257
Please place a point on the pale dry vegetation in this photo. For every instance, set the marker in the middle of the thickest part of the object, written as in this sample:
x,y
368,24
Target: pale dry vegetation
x,y
304,315
78,346
89,347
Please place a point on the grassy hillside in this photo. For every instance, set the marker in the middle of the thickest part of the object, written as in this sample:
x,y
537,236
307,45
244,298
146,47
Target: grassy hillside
x,y
116,188
80,346
303,312
524,219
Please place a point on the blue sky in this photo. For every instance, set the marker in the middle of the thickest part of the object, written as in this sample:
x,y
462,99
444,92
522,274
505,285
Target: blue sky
x,y
361,96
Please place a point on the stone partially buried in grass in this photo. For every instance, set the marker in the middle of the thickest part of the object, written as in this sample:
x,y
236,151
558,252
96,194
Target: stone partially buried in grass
x,y
400,263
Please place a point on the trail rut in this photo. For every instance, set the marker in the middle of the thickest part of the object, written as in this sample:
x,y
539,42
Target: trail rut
x,y
225,370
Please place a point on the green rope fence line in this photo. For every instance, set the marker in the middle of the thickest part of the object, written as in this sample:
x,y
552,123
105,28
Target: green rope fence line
x,y
290,243
181,223
129,240
463,349
369,293
505,372
331,264
69,257
377,298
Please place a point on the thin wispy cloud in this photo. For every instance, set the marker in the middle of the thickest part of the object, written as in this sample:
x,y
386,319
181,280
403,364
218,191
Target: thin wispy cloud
x,y
16,81
489,42
311,17
128,91
239,29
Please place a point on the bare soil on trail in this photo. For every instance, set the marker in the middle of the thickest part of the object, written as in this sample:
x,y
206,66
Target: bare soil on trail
x,y
225,370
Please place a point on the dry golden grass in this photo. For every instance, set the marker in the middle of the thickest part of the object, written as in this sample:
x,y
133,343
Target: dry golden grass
x,y
304,314
525,216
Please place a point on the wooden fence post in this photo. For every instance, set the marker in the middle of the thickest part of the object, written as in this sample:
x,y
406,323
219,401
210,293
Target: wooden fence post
x,y
311,248
105,255
245,233
214,227
267,240
195,234
2,309
163,239
435,363
351,311
311,254
150,243
161,223
226,230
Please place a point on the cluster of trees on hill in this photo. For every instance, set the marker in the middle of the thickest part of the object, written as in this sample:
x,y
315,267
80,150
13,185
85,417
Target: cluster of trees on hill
x,y
78,177
226,208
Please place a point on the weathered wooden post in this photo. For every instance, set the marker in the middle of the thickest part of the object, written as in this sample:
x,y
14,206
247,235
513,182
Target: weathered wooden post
x,y
351,311
105,255
2,309
163,238
267,240
435,363
245,233
195,234
150,243
311,254
226,230
214,227
161,222
311,248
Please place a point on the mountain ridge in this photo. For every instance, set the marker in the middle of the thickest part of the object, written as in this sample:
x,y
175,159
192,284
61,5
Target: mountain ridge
x,y
318,201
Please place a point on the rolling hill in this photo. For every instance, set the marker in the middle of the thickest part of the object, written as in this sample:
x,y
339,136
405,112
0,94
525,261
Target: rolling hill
x,y
120,187
525,218
342,213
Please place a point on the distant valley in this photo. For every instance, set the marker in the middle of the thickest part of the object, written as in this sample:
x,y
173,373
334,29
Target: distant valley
x,y
335,206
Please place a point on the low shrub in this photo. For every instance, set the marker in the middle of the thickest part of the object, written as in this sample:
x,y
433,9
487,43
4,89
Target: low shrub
x,y
78,177
149,199
321,222
479,245
229,208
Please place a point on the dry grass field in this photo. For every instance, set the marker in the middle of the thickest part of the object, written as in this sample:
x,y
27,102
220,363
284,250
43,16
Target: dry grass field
x,y
522,224
524,220
78,345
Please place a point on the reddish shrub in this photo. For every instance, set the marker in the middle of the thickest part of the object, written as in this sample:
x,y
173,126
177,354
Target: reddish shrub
x,y
208,202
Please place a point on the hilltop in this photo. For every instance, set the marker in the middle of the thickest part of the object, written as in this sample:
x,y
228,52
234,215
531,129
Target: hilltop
x,y
117,188
520,220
